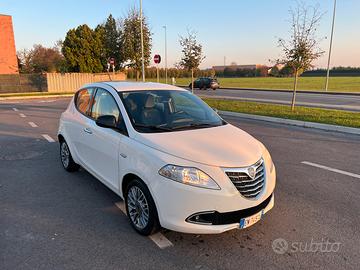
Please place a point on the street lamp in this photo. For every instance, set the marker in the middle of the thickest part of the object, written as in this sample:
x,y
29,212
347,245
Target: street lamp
x,y
331,39
142,43
165,54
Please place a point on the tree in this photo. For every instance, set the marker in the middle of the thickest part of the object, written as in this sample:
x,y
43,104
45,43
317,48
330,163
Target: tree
x,y
131,41
83,50
46,59
40,59
302,47
24,59
110,35
192,54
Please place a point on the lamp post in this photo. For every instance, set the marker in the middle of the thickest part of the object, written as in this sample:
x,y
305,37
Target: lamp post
x,y
331,39
165,54
142,43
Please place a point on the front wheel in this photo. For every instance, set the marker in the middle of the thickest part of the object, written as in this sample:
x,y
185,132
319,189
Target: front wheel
x,y
140,208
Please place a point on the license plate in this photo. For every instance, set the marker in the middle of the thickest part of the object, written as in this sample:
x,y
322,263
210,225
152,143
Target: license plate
x,y
248,221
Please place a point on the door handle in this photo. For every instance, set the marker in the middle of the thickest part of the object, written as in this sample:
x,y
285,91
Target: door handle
x,y
88,130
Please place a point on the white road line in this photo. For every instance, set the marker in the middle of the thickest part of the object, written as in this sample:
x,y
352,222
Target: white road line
x,y
32,124
46,101
158,238
48,138
331,169
16,110
121,206
22,115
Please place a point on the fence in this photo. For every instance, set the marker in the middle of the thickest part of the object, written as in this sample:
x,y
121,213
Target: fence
x,y
53,82
70,82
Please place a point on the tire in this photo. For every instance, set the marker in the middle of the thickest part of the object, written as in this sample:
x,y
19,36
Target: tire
x,y
66,158
137,197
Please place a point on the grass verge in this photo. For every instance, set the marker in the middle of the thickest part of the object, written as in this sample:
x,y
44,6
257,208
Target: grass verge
x,y
325,116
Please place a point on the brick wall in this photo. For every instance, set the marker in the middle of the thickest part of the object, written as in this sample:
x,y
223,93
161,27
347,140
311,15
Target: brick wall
x,y
8,60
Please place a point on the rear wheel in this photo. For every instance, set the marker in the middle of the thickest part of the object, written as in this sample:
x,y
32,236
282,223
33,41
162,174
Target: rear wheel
x,y
66,158
140,208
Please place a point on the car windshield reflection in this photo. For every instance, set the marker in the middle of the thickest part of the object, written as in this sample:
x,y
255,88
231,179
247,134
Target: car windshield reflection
x,y
168,110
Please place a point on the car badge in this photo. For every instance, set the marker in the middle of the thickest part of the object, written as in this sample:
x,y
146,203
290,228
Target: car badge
x,y
252,172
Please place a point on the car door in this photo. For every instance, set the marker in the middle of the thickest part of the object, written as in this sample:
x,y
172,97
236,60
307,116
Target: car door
x,y
103,144
80,121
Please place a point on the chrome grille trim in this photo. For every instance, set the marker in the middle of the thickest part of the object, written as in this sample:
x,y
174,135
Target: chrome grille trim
x,y
247,186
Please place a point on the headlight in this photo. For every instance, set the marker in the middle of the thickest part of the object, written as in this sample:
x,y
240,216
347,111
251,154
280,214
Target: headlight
x,y
188,176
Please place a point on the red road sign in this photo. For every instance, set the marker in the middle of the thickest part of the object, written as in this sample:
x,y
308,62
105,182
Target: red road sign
x,y
112,61
157,58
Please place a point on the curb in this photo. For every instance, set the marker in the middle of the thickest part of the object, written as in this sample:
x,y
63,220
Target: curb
x,y
287,91
36,97
326,127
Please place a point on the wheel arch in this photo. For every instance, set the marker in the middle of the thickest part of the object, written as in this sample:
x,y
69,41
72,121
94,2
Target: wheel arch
x,y
127,178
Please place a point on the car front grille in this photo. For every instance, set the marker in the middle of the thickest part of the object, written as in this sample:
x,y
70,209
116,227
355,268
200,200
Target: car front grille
x,y
249,181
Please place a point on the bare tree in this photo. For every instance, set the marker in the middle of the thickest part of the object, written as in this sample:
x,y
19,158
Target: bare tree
x,y
192,54
302,48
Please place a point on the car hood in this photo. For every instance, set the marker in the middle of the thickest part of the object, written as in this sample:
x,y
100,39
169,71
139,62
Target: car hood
x,y
223,146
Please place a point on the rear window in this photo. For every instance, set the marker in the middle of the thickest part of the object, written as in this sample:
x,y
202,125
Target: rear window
x,y
83,100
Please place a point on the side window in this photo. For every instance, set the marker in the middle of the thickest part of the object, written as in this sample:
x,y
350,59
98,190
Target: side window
x,y
104,104
83,98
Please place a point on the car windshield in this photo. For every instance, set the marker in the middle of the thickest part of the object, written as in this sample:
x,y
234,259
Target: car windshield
x,y
168,110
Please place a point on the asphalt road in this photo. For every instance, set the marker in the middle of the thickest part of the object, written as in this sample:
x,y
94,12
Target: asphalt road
x,y
51,219
339,102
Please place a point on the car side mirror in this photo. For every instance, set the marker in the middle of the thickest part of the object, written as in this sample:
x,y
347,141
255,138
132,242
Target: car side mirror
x,y
106,121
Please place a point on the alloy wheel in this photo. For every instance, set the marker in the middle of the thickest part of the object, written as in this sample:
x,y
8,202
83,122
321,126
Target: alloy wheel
x,y
138,207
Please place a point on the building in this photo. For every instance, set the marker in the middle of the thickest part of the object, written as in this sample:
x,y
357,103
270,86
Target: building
x,y
236,67
8,59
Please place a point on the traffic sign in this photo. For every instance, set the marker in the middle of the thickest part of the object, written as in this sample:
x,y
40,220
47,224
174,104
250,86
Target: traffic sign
x,y
112,61
157,58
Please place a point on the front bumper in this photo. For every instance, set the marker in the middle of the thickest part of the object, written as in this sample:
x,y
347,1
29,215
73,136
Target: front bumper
x,y
177,202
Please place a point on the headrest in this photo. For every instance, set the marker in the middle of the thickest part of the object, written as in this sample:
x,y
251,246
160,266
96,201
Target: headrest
x,y
150,102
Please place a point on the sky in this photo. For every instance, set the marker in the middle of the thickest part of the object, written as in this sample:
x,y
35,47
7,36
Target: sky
x,y
245,32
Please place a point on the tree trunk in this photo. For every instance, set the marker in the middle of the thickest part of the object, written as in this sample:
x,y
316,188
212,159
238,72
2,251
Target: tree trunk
x,y
137,75
192,80
294,91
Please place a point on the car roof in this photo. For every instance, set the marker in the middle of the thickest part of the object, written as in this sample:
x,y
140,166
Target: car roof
x,y
122,86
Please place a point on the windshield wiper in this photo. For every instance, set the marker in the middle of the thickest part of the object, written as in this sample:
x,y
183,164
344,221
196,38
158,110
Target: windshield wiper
x,y
195,125
152,127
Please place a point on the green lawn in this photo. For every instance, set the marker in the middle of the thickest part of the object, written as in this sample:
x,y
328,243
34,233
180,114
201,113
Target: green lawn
x,y
336,84
334,117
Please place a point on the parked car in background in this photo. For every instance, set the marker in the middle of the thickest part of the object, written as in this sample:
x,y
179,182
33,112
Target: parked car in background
x,y
205,83
176,163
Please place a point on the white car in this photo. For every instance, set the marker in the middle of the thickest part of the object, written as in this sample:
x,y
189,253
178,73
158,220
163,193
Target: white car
x,y
176,163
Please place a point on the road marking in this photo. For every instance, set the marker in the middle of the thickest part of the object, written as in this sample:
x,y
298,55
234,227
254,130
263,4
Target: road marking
x,y
331,169
121,206
32,124
46,101
158,238
48,138
22,115
16,110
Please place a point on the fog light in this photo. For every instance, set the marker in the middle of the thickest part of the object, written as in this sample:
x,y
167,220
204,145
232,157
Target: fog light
x,y
205,218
